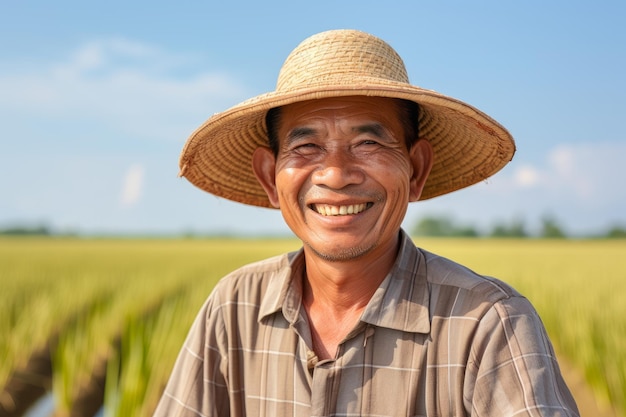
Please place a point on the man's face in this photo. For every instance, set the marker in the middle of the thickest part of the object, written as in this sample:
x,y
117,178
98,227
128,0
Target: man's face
x,y
343,175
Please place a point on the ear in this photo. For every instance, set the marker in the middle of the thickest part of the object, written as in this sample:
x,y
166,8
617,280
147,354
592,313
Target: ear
x,y
421,155
264,167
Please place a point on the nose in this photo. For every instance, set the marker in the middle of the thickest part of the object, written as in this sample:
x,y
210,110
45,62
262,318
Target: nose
x,y
338,169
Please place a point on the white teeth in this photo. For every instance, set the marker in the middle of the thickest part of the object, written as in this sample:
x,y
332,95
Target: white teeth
x,y
326,210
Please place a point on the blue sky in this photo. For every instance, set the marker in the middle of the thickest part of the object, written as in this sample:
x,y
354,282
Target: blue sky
x,y
97,100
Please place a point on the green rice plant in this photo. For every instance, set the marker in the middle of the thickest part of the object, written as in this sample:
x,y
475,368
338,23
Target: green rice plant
x,y
73,296
88,345
41,293
47,283
151,344
76,355
134,375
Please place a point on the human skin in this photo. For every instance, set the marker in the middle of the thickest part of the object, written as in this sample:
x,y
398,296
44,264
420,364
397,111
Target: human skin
x,y
343,178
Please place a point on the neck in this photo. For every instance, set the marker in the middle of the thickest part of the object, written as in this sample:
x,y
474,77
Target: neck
x,y
347,284
336,293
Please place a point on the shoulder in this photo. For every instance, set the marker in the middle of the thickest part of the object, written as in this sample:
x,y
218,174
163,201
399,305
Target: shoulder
x,y
457,290
258,270
252,278
254,289
442,271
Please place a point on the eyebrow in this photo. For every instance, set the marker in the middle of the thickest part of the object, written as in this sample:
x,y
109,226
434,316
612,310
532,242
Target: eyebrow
x,y
375,129
299,133
302,132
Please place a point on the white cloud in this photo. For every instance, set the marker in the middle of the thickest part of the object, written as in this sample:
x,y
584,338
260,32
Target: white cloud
x,y
526,176
588,173
133,88
97,54
562,160
579,183
132,186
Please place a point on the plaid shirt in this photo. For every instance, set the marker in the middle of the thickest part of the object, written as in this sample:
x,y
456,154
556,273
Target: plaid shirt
x,y
436,339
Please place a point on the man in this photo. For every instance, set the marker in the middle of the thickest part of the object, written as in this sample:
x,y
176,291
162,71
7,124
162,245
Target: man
x,y
359,322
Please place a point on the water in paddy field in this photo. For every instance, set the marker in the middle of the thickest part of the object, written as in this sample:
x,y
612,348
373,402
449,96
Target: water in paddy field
x,y
44,407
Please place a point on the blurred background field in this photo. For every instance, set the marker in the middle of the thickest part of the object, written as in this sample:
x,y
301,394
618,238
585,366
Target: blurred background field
x,y
111,314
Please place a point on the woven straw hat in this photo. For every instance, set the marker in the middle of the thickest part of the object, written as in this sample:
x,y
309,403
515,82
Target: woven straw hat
x,y
468,145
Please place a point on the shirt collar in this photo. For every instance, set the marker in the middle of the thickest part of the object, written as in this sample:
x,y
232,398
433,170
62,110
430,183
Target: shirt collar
x,y
284,291
400,302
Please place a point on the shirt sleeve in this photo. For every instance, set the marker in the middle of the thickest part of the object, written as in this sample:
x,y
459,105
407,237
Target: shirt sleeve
x,y
512,369
197,384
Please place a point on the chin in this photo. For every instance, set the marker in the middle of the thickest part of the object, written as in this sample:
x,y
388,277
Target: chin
x,y
341,254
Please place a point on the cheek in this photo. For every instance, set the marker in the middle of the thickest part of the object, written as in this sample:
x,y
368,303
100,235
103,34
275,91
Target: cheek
x,y
290,177
290,183
396,180
396,172
395,209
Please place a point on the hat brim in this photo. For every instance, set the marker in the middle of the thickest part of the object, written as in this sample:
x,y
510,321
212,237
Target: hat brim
x,y
468,145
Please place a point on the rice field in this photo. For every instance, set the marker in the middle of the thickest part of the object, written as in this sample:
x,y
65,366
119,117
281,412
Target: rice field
x,y
99,322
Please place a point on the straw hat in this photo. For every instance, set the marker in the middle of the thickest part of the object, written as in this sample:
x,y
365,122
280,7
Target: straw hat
x,y
468,145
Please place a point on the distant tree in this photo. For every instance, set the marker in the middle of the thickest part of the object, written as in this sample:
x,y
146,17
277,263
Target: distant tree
x,y
442,227
433,226
26,231
516,229
499,230
616,232
466,231
551,229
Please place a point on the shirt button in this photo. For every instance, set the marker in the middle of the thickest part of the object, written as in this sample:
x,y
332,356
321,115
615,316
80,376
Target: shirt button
x,y
311,359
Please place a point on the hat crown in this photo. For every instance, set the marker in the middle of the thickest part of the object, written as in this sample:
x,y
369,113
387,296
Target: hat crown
x,y
340,57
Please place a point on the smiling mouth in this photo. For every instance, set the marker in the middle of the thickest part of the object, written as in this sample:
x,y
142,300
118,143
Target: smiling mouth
x,y
328,210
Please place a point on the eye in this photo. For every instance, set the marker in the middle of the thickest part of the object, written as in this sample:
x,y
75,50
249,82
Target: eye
x,y
306,148
369,142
